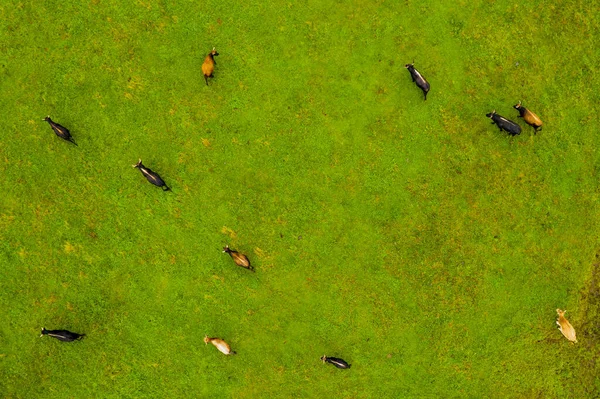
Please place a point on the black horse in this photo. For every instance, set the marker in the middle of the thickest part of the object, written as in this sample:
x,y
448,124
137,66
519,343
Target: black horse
x,y
60,130
62,335
337,362
151,176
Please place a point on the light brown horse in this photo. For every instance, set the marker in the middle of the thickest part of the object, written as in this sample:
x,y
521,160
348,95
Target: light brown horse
x,y
530,118
221,345
239,259
208,67
565,327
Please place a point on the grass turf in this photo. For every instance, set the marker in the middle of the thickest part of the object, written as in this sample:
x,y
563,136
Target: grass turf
x,y
410,238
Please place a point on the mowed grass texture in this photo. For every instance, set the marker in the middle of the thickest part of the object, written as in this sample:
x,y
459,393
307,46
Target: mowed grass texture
x,y
410,238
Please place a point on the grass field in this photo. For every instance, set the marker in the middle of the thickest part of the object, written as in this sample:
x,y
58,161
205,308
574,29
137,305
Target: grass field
x,y
408,237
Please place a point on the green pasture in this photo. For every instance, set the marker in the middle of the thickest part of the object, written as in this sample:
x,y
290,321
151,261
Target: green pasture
x,y
411,238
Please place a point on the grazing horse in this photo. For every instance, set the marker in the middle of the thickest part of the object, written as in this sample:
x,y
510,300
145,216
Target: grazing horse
x,y
239,259
529,117
337,362
208,67
62,335
504,124
420,81
221,345
151,176
60,130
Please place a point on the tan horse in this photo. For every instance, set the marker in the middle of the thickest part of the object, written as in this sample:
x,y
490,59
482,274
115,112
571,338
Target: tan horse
x,y
208,67
221,345
239,259
565,327
532,119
